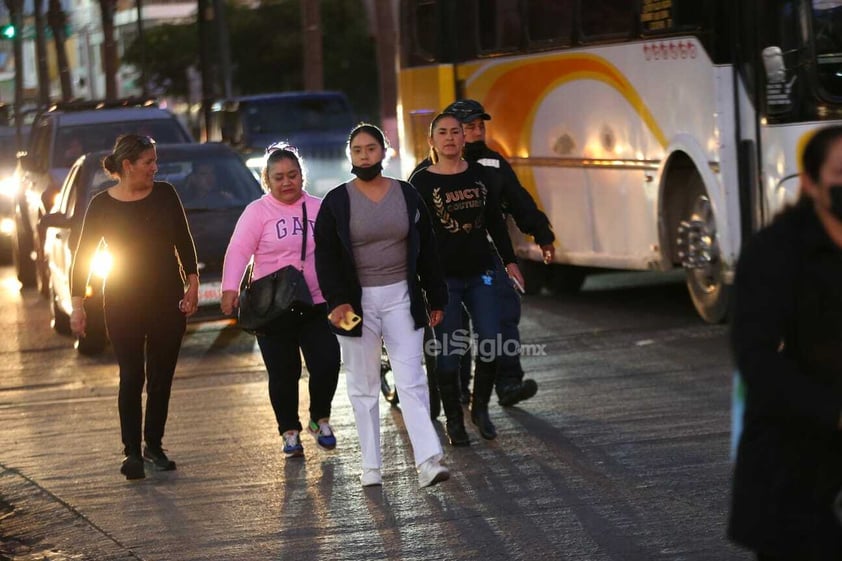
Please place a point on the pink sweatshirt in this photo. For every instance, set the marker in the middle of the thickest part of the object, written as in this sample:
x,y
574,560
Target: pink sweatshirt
x,y
271,231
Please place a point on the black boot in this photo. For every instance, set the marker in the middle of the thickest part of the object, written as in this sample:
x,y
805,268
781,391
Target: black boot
x,y
512,393
448,383
132,466
483,386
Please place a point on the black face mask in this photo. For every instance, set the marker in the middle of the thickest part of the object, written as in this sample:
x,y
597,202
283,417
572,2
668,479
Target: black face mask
x,y
473,151
369,173
836,200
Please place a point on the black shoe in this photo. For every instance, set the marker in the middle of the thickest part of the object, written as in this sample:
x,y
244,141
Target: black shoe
x,y
465,396
515,393
158,459
132,467
456,434
480,418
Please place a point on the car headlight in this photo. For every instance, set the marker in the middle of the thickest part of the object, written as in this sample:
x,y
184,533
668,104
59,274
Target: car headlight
x,y
9,186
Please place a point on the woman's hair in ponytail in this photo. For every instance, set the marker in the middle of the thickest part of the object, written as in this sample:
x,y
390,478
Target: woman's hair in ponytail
x,y
127,147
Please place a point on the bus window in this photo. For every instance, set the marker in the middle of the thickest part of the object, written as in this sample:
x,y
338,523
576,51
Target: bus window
x,y
607,18
422,29
499,25
666,16
827,30
549,21
779,53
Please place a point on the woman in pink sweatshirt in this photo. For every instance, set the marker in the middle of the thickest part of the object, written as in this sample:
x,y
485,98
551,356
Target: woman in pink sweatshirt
x,y
270,230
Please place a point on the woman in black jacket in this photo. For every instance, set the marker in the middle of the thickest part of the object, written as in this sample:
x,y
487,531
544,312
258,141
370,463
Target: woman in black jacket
x,y
376,259
787,339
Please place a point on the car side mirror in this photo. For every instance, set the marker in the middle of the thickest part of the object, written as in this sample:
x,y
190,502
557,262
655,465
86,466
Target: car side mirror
x,y
54,220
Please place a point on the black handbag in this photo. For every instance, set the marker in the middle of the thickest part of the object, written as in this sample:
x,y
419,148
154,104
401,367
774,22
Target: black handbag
x,y
280,298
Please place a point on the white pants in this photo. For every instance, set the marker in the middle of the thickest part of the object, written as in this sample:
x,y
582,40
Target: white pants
x,y
386,316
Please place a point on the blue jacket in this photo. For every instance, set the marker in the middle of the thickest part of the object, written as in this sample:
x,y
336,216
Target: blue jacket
x,y
337,271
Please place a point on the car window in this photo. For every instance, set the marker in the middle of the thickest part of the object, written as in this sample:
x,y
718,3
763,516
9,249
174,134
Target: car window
x,y
209,183
67,198
286,116
74,141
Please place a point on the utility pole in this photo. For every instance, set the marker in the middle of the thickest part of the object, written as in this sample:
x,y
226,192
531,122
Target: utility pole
x,y
224,46
204,19
384,35
142,41
41,54
311,33
16,15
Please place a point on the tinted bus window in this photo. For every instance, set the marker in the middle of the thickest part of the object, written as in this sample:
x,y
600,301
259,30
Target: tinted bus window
x,y
549,21
500,26
421,30
607,18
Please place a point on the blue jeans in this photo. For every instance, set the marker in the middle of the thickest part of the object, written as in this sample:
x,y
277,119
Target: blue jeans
x,y
509,370
478,294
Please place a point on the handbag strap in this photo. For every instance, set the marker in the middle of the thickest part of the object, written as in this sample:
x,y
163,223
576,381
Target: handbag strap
x,y
304,238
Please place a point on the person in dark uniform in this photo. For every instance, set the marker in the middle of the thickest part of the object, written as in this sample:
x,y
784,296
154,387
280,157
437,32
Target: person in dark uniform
x,y
512,387
787,340
142,224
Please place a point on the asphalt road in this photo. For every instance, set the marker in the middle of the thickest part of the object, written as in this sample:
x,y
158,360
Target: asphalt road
x,y
622,455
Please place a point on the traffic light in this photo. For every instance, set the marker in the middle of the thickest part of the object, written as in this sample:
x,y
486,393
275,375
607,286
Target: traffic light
x,y
7,32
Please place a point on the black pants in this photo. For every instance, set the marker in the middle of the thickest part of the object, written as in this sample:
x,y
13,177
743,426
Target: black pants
x,y
146,341
281,347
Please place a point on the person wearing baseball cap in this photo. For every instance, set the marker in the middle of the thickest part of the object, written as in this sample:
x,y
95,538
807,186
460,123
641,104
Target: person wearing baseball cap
x,y
511,386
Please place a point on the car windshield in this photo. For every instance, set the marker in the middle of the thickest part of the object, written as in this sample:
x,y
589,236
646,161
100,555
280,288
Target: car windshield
x,y
203,181
294,115
73,141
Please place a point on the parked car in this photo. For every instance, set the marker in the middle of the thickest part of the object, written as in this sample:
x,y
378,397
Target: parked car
x,y
8,188
317,123
214,185
58,136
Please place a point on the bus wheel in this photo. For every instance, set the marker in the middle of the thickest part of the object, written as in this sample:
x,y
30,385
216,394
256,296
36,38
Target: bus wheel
x,y
567,279
699,253
534,275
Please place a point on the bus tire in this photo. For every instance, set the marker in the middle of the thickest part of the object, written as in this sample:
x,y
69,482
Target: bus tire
x,y
708,291
567,279
534,275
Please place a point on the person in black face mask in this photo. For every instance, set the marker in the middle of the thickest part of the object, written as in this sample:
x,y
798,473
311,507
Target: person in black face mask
x,y
511,385
377,265
786,334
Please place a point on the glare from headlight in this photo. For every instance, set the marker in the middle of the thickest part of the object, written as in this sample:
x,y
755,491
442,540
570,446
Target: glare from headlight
x,y
7,226
9,186
101,263
256,163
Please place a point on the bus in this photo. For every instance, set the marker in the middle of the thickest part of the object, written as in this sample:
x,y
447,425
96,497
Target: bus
x,y
655,134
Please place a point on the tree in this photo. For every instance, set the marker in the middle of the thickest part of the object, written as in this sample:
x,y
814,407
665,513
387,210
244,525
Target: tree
x,y
170,50
109,48
267,55
57,20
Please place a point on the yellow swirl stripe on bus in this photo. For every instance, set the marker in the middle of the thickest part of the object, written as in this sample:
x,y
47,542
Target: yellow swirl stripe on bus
x,y
512,93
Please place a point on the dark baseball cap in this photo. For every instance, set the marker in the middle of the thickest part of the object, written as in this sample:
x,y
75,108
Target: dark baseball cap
x,y
467,110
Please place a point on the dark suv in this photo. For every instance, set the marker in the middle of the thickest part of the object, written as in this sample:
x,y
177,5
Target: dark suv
x,y
57,138
316,123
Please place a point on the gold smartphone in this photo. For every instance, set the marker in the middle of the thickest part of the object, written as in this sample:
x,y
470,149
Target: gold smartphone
x,y
349,321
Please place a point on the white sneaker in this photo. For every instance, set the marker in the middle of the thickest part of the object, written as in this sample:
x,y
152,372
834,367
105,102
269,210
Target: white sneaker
x,y
371,477
431,472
